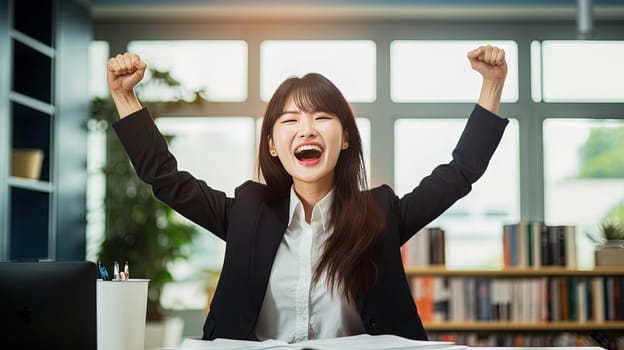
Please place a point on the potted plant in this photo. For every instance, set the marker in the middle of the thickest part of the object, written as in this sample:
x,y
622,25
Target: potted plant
x,y
139,228
610,244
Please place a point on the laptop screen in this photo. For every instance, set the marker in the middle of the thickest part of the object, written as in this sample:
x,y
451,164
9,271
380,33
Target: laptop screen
x,y
48,305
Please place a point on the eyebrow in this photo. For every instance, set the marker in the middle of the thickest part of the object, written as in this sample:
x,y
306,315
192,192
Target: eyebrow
x,y
289,112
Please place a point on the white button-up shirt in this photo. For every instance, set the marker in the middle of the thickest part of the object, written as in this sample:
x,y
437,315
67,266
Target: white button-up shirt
x,y
294,309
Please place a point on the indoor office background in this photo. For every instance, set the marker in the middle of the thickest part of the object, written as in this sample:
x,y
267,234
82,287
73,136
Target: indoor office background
x,y
403,66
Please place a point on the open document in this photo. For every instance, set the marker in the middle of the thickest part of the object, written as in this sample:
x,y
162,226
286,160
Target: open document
x,y
356,342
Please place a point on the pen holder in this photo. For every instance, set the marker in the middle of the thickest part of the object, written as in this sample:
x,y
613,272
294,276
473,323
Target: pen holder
x,y
121,311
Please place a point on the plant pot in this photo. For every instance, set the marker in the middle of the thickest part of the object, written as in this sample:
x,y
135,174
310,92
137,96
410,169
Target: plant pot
x,y
26,163
166,333
611,253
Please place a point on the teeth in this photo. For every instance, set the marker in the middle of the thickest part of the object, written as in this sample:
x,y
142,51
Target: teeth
x,y
308,148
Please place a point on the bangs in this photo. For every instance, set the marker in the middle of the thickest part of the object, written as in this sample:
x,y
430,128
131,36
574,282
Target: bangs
x,y
310,96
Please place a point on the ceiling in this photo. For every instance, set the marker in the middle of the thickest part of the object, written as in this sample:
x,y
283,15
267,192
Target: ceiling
x,y
499,9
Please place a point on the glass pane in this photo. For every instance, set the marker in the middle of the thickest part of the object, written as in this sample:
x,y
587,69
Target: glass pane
x,y
474,224
583,177
96,187
536,71
98,59
219,67
205,147
439,71
583,71
350,64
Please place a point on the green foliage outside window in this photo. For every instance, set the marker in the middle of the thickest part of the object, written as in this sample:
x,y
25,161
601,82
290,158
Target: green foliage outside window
x,y
602,157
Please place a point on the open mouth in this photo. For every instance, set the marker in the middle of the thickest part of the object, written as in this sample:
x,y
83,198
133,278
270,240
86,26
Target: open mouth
x,y
308,153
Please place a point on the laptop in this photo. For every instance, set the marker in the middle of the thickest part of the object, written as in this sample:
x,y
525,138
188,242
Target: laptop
x,y
48,305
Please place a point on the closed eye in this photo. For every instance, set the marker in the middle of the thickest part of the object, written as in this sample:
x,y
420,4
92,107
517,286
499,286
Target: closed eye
x,y
323,117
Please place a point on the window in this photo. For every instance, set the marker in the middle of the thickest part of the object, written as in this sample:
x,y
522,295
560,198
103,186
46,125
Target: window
x,y
439,71
98,60
582,71
583,176
218,67
96,152
473,224
350,64
96,187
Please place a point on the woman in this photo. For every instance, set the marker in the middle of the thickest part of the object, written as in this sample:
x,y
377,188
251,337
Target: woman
x,y
310,252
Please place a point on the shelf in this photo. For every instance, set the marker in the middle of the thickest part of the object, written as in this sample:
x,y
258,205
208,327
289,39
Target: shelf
x,y
44,46
28,184
31,103
520,272
515,326
32,43
32,129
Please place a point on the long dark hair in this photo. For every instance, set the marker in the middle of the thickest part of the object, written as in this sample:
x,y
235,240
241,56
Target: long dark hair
x,y
349,252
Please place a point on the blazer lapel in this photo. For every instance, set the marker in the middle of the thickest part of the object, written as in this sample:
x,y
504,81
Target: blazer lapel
x,y
271,224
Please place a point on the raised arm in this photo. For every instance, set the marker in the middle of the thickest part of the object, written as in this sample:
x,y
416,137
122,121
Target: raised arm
x,y
480,138
150,156
123,73
490,62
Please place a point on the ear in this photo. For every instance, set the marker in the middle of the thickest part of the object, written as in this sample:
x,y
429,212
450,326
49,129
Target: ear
x,y
345,140
272,150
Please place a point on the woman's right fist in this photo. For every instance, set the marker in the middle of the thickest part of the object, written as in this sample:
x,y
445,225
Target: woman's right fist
x,y
124,72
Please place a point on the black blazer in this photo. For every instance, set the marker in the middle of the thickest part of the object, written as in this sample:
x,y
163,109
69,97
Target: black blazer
x,y
253,222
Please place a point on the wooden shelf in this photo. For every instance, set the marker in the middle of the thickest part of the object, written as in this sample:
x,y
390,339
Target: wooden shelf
x,y
519,272
515,326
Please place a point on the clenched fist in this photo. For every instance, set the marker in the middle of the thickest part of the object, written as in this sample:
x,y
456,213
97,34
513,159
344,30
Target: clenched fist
x,y
489,61
124,72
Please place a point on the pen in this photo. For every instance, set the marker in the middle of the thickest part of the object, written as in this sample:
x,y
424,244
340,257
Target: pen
x,y
103,272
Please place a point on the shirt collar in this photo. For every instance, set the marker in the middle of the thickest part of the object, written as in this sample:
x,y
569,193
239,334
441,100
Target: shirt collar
x,y
321,210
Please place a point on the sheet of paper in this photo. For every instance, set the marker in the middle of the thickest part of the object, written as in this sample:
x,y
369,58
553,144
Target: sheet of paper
x,y
357,342
231,344
375,342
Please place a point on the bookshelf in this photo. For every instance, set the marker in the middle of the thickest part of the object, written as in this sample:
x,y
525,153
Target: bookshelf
x,y
538,310
564,326
533,300
43,110
514,272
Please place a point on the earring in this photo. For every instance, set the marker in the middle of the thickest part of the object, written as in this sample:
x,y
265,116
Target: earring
x,y
345,145
273,153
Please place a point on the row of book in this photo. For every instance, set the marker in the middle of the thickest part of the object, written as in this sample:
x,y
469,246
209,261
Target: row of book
x,y
525,244
427,247
534,244
564,339
531,300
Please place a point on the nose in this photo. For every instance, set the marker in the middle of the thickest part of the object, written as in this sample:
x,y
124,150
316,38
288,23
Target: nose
x,y
306,128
